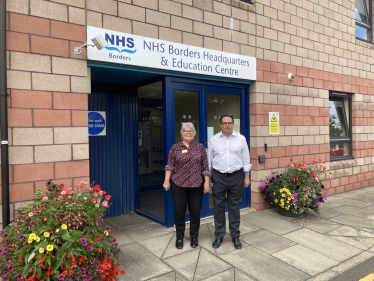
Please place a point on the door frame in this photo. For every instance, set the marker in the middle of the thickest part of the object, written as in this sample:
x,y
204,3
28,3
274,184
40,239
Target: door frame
x,y
202,86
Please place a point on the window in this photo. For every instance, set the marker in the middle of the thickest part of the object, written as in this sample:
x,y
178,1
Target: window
x,y
247,1
363,19
340,117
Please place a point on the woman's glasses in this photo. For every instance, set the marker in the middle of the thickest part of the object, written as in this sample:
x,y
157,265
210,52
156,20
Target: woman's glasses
x,y
187,131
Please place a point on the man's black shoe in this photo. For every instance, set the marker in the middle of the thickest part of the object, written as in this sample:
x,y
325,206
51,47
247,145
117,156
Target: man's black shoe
x,y
194,242
237,243
179,244
217,243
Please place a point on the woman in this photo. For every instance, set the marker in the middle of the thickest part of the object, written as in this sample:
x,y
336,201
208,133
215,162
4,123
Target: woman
x,y
187,165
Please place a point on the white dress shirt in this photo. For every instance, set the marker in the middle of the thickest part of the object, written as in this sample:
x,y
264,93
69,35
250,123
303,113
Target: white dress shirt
x,y
228,155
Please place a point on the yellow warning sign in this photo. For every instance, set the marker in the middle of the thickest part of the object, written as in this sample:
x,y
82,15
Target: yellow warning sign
x,y
274,119
273,123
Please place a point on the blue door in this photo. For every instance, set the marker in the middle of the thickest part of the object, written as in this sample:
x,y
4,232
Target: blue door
x,y
202,102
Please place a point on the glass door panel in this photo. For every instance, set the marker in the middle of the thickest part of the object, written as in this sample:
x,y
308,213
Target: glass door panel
x,y
151,150
218,104
186,110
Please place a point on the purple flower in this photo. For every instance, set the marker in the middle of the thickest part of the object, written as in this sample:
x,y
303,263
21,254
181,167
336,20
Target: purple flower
x,y
83,240
325,195
295,200
61,277
3,254
6,235
92,261
21,237
84,244
26,244
107,228
47,203
318,203
89,248
103,238
116,244
85,266
263,185
49,183
114,240
32,223
62,185
12,219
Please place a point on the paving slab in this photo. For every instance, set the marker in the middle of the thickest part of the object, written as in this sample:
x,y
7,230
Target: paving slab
x,y
145,231
185,263
349,202
329,205
126,221
157,245
140,264
344,231
359,197
241,276
261,266
223,276
305,259
121,238
322,227
369,242
209,265
322,244
270,223
165,277
206,238
358,212
267,241
353,241
179,277
354,221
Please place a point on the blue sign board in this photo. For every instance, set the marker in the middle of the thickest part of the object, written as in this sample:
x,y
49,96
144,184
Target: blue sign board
x,y
96,123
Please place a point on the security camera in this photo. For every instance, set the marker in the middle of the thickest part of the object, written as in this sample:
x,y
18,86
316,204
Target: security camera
x,y
291,76
99,42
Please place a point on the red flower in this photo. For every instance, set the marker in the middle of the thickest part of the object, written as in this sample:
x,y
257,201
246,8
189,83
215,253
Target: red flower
x,y
66,197
93,200
107,197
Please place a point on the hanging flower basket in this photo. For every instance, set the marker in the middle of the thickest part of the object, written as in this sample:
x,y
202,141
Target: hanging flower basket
x,y
58,237
300,188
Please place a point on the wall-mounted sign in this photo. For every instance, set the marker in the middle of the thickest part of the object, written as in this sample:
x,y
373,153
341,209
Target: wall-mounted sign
x,y
96,123
136,50
273,123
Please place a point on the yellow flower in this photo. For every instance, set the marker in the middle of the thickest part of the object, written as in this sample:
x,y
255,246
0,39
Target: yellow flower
x,y
282,199
287,208
46,234
106,233
32,236
57,230
292,197
30,240
288,199
49,248
276,200
41,250
283,195
281,190
37,239
64,226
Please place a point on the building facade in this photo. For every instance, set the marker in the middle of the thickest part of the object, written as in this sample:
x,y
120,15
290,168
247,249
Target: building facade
x,y
325,112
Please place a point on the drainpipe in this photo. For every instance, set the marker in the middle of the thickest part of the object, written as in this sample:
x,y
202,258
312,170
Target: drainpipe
x,y
4,118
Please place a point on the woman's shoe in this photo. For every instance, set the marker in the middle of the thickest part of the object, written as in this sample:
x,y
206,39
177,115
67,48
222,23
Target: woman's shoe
x,y
179,244
194,243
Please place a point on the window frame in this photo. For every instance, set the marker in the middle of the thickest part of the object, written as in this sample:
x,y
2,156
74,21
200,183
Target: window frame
x,y
339,96
247,1
368,27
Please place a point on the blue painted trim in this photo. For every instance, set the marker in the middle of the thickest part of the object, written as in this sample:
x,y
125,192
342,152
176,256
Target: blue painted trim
x,y
161,72
149,216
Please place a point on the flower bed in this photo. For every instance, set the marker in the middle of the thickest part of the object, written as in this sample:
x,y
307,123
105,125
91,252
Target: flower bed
x,y
299,188
58,237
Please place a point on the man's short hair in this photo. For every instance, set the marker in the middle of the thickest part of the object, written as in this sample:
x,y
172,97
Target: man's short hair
x,y
226,115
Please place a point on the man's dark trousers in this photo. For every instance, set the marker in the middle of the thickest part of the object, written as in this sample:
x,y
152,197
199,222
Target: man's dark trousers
x,y
232,185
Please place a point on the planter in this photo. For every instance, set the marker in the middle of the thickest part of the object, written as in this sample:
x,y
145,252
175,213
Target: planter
x,y
287,213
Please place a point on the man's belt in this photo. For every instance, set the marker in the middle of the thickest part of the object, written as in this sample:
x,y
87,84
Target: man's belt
x,y
229,174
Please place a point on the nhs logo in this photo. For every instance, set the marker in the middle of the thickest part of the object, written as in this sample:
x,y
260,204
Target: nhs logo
x,y
121,42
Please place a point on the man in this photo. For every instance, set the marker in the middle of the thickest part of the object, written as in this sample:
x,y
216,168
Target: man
x,y
228,154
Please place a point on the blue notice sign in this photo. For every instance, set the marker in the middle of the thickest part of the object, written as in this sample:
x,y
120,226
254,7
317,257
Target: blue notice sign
x,y
96,123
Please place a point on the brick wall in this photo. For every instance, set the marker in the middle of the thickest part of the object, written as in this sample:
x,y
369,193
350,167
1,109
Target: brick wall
x,y
47,104
314,39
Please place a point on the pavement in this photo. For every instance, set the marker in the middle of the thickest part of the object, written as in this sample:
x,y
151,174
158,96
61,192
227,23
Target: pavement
x,y
313,247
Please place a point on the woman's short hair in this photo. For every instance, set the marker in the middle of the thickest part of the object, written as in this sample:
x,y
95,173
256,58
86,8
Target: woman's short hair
x,y
188,124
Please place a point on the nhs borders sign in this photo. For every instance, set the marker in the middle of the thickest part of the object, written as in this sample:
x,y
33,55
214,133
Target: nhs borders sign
x,y
136,50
